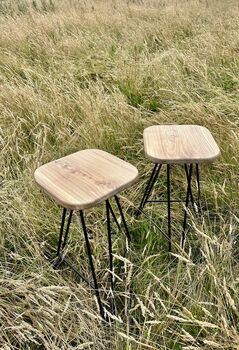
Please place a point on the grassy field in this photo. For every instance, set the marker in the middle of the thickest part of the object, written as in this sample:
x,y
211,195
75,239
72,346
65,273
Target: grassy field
x,y
93,74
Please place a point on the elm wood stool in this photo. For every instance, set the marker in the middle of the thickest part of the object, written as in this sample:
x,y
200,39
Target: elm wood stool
x,y
177,144
83,180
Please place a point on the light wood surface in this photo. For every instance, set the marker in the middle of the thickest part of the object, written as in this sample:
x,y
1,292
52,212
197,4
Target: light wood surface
x,y
85,178
179,144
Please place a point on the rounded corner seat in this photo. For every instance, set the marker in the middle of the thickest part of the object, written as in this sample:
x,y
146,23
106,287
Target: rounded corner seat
x,y
85,178
173,144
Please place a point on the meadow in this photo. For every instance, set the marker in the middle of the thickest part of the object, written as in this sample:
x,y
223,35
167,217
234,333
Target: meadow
x,y
93,74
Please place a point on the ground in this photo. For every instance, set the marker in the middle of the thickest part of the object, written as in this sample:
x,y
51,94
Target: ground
x,y
75,75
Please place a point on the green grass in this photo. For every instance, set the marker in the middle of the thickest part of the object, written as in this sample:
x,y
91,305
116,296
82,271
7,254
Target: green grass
x,y
78,75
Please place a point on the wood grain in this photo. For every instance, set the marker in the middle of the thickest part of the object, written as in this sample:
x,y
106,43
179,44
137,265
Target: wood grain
x,y
179,144
85,178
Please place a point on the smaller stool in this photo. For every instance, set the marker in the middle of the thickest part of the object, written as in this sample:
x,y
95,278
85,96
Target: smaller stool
x,y
83,180
177,144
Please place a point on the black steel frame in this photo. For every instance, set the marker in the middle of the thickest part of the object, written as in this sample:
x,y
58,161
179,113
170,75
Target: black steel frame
x,y
63,241
189,196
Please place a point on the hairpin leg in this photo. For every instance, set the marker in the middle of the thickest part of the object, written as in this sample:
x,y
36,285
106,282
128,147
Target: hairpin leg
x,y
169,209
149,187
91,264
186,205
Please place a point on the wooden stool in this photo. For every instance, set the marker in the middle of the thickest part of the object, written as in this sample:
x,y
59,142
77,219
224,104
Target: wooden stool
x,y
83,180
177,144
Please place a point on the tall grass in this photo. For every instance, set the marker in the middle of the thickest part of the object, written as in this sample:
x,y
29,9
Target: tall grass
x,y
78,75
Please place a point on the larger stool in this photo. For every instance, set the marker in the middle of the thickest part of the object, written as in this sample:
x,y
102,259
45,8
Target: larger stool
x,y
177,144
83,180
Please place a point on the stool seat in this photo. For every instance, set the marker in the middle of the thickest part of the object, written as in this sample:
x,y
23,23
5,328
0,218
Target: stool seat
x,y
86,178
170,144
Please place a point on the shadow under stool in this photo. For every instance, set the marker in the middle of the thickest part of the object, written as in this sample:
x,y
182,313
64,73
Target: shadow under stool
x,y
190,145
80,181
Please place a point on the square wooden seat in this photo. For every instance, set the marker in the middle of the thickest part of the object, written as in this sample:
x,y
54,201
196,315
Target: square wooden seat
x,y
85,178
173,144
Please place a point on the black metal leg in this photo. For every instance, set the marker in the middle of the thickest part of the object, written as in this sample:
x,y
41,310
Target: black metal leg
x,y
67,229
91,264
190,188
198,188
110,255
169,210
61,231
114,217
186,205
149,187
123,218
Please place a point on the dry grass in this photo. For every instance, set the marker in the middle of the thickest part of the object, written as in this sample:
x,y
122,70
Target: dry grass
x,y
77,75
